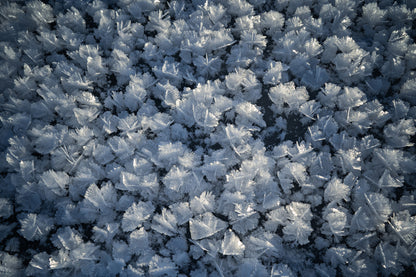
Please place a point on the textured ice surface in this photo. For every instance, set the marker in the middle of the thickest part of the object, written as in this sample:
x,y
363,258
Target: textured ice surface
x,y
207,138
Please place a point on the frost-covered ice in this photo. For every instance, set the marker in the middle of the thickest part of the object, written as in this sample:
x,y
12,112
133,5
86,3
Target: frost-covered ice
x,y
208,138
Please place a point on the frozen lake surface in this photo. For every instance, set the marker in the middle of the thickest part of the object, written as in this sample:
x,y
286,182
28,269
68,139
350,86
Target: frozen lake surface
x,y
207,138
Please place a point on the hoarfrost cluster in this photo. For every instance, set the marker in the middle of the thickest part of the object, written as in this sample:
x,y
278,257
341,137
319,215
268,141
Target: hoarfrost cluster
x,y
207,138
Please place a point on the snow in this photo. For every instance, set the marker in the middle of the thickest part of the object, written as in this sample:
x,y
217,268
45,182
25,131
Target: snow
x,y
207,138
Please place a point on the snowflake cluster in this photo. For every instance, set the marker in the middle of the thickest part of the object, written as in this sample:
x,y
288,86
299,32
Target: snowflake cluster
x,y
207,138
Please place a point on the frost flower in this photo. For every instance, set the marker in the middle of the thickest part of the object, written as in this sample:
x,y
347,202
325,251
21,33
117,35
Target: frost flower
x,y
205,225
135,215
231,244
